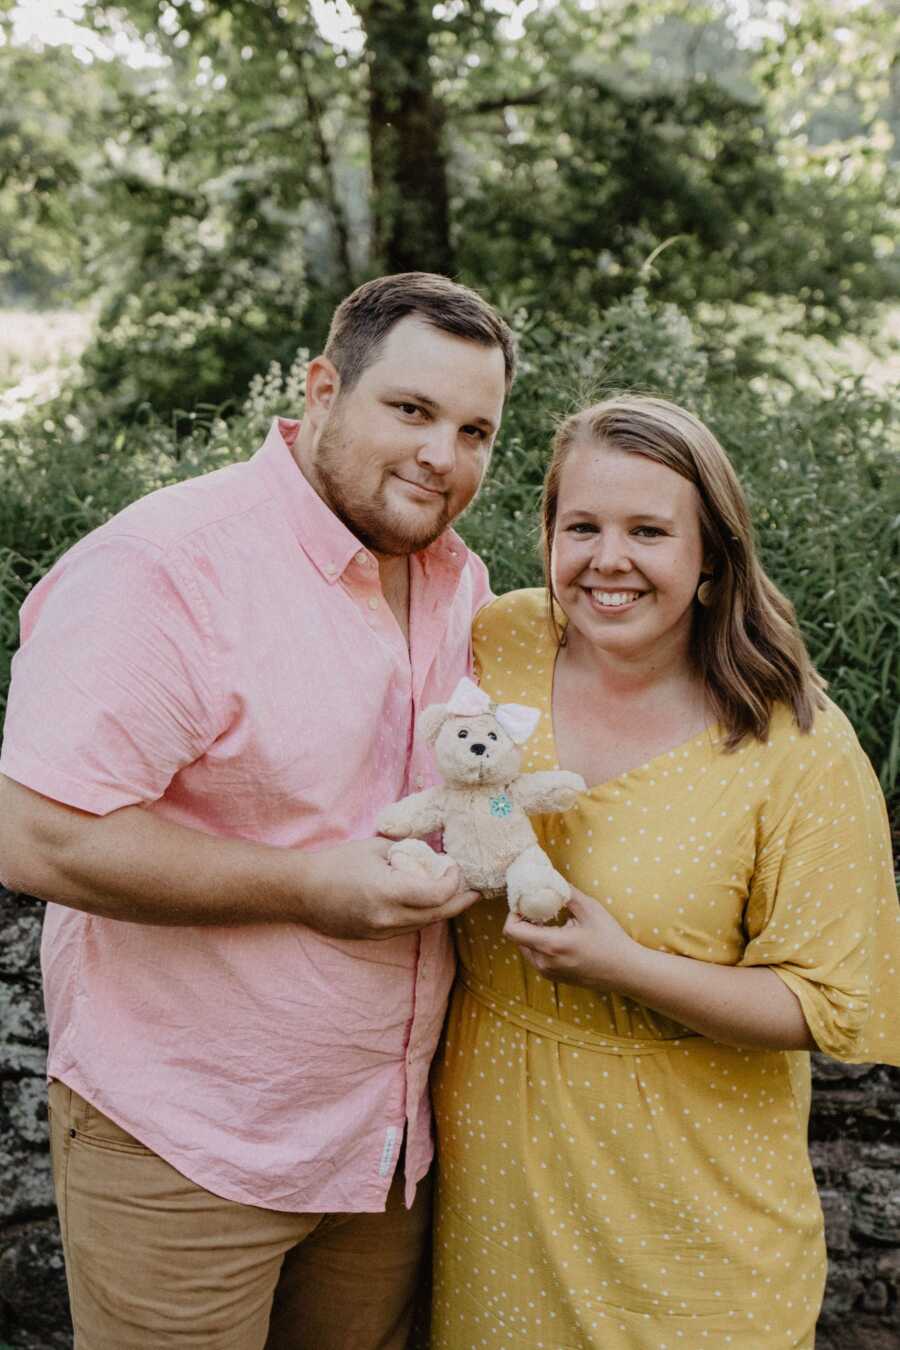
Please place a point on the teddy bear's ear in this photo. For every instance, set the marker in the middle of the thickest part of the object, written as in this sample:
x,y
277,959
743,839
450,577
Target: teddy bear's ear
x,y
432,720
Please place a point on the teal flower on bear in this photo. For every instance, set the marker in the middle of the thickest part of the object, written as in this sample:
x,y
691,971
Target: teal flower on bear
x,y
501,805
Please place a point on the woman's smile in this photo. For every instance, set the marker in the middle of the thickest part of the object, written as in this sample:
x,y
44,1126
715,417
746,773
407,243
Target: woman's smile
x,y
613,601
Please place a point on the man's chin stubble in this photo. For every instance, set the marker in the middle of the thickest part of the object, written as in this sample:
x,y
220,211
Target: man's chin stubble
x,y
380,537
372,525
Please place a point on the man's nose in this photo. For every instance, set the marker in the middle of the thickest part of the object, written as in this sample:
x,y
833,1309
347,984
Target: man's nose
x,y
438,450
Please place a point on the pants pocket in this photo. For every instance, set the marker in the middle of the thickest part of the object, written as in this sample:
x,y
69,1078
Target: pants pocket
x,y
83,1122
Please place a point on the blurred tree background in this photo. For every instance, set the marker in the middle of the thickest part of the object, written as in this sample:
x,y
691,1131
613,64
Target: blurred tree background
x,y
700,199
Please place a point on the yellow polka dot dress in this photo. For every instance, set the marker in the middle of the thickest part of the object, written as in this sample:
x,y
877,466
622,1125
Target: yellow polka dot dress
x,y
607,1178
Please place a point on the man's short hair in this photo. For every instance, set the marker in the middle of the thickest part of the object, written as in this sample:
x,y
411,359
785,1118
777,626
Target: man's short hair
x,y
362,321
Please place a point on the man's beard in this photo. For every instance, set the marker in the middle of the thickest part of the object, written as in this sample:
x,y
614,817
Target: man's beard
x,y
374,524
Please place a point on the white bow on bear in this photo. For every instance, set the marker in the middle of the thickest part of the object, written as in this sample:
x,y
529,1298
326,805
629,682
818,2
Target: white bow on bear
x,y
516,719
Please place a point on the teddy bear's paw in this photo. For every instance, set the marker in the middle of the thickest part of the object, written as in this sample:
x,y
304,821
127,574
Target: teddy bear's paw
x,y
572,784
539,906
393,821
535,890
418,859
566,789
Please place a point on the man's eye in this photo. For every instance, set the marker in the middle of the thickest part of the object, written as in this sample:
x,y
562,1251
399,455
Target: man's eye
x,y
410,409
492,735
463,735
476,433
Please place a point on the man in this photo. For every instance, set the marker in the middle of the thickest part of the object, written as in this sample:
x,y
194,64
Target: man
x,y
215,694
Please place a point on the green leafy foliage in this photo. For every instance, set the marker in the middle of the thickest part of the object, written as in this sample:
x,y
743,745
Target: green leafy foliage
x,y
48,150
590,188
207,310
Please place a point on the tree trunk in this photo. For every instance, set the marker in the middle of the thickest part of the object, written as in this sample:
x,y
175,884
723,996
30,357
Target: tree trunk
x,y
406,126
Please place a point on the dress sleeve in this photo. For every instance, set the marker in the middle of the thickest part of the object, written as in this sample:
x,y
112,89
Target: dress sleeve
x,y
113,687
822,910
481,586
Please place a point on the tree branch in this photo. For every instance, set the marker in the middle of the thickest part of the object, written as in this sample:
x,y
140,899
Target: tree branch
x,y
300,55
498,104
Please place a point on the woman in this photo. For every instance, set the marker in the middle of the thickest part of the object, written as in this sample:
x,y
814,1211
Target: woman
x,y
621,1104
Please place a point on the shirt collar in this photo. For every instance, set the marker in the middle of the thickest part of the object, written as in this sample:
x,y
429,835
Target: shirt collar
x,y
327,541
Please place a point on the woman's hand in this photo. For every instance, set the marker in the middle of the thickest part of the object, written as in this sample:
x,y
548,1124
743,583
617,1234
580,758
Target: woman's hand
x,y
742,1006
591,948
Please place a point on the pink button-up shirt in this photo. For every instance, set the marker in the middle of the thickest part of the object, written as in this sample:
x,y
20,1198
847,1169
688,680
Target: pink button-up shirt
x,y
222,654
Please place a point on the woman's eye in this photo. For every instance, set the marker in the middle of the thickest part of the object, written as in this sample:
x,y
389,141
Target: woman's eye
x,y
492,735
583,527
463,735
410,409
649,531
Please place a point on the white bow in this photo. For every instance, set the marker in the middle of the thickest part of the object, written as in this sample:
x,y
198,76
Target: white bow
x,y
516,719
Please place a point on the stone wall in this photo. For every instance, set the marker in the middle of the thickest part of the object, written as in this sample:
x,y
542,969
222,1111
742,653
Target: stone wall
x,y
855,1141
33,1305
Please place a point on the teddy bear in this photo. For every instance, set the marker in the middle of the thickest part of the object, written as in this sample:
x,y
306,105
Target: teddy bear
x,y
483,805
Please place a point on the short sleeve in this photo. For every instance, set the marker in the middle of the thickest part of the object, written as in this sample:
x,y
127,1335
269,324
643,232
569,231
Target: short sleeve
x,y
822,911
112,688
481,584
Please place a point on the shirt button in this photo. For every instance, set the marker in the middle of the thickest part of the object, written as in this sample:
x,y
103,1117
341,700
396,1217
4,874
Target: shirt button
x,y
362,559
420,781
330,569
373,603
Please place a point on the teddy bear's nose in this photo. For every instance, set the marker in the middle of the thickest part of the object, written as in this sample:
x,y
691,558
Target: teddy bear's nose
x,y
478,748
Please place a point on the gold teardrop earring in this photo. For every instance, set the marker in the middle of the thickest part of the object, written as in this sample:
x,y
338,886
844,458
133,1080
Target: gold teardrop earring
x,y
705,592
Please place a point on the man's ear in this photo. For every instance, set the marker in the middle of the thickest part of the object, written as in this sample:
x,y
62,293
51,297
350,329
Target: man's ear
x,y
323,386
432,720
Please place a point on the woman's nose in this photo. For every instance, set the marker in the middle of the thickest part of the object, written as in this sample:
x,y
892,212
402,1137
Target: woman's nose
x,y
610,552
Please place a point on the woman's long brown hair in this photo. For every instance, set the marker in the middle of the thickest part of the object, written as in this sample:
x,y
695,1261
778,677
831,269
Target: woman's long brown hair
x,y
745,643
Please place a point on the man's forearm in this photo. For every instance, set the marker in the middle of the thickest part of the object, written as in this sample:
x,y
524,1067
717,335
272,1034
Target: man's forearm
x,y
134,865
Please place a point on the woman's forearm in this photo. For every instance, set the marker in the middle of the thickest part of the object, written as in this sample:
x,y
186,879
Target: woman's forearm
x,y
735,1004
738,1005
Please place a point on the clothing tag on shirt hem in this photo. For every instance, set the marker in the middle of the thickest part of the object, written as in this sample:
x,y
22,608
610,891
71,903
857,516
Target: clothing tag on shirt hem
x,y
387,1153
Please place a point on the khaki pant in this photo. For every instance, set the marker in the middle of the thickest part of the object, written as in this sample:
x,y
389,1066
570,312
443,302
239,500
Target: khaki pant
x,y
154,1261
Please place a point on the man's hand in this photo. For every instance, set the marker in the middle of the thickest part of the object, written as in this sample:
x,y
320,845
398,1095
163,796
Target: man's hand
x,y
351,891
